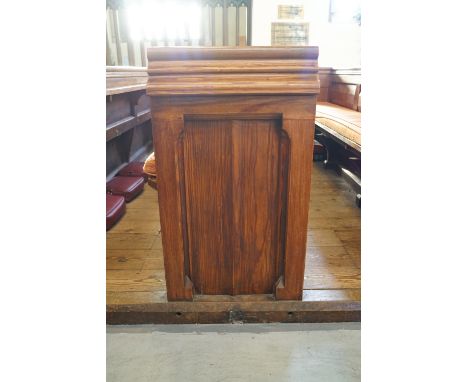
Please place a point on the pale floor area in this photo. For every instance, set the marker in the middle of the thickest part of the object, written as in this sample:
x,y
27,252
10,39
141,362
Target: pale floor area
x,y
234,352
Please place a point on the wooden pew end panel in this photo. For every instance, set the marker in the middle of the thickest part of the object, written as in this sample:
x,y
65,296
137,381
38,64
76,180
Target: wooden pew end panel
x,y
232,192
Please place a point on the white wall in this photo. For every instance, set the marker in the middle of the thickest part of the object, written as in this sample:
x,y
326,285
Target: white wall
x,y
339,44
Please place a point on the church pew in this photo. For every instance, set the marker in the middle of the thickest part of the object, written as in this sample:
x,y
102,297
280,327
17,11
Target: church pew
x,y
128,120
338,123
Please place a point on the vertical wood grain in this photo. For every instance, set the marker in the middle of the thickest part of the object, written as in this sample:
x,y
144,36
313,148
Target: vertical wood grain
x,y
232,204
301,136
284,147
255,205
166,133
208,192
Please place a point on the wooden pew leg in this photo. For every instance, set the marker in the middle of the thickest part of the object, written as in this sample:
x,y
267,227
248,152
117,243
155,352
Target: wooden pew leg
x,y
344,162
332,156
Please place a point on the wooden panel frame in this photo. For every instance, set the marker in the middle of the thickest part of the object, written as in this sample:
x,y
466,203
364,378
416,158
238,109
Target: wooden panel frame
x,y
213,81
168,115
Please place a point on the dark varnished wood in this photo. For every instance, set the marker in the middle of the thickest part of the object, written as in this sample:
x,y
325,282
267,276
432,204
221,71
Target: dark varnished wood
x,y
233,195
232,312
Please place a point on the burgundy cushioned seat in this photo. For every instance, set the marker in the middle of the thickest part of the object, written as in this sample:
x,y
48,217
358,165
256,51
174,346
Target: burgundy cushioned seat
x,y
127,186
115,208
133,169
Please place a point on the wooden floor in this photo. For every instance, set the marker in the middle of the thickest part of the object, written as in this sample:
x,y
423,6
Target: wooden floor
x,y
332,283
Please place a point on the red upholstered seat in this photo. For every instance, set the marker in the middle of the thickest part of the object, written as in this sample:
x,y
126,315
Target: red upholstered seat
x,y
127,186
133,169
115,208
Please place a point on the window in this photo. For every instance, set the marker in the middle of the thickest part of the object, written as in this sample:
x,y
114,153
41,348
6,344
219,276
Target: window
x,y
345,11
132,26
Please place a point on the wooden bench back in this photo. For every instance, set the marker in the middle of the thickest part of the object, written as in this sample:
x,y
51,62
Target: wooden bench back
x,y
341,87
324,76
128,126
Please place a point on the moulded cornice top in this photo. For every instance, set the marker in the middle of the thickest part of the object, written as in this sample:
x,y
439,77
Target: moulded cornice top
x,y
232,70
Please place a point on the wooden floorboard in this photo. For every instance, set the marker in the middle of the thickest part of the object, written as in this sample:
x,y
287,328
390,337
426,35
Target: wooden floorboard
x,y
332,283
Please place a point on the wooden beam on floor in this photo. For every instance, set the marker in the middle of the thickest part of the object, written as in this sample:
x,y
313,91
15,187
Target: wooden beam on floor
x,y
233,312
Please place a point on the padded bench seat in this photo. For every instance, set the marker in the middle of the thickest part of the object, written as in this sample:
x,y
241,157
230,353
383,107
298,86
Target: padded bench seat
x,y
127,186
115,208
341,122
133,169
